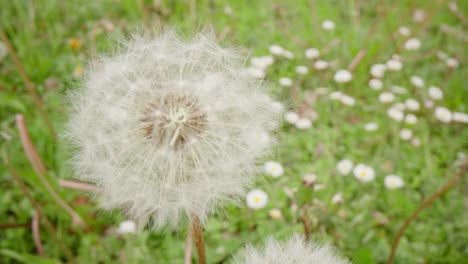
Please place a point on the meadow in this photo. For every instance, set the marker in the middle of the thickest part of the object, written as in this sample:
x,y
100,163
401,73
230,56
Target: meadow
x,y
375,114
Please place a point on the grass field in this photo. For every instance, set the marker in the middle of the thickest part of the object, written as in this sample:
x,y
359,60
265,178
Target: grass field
x,y
55,40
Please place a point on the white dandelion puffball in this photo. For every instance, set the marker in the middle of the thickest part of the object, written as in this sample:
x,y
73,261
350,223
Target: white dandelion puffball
x,y
443,114
411,119
386,98
127,227
344,167
395,114
375,84
296,250
404,31
274,169
286,82
406,134
394,65
328,25
343,76
412,44
256,199
460,117
417,81
435,93
371,127
364,173
303,123
312,53
170,127
291,117
320,65
392,182
412,104
301,69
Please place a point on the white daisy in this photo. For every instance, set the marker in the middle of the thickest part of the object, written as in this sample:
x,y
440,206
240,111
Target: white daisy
x,y
347,100
404,31
394,65
419,15
302,69
393,182
435,93
378,70
460,117
284,81
395,114
386,98
452,63
412,44
443,114
344,166
291,117
275,213
411,119
328,25
312,53
343,76
336,95
417,81
412,105
320,65
276,50
256,199
428,104
371,126
262,62
406,134
364,173
337,198
303,123
375,84
274,169
398,89
127,227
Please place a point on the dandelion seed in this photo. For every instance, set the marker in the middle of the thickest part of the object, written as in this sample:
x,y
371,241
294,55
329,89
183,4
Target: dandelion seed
x,y
443,114
126,227
452,63
303,123
344,166
412,44
286,82
371,127
312,53
378,70
393,182
417,81
404,31
337,198
460,117
291,117
386,98
302,69
328,25
435,93
320,65
275,213
294,251
256,199
411,119
168,127
364,173
406,134
394,65
343,76
375,84
274,169
412,105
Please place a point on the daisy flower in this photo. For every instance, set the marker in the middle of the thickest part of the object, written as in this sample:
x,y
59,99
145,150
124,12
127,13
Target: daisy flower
x,y
127,227
312,53
435,93
286,82
412,44
443,114
302,69
291,117
371,126
344,167
303,123
406,134
417,81
364,173
452,63
386,98
375,84
337,198
412,105
411,119
347,100
328,25
343,76
274,169
275,213
460,117
395,114
394,65
393,182
262,62
320,65
404,31
378,70
256,199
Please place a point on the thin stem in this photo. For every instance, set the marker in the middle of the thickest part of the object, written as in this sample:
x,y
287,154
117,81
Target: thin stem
x,y
41,170
37,234
14,225
357,60
305,223
50,228
197,231
463,169
82,186
188,247
27,82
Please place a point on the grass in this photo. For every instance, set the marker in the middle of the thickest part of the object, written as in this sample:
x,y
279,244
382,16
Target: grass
x,y
362,228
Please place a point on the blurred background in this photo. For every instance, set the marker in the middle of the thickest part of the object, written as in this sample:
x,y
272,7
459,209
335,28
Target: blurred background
x,y
376,83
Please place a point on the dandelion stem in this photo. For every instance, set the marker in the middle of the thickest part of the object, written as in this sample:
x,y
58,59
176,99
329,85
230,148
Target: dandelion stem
x,y
37,234
188,248
27,82
50,228
197,232
450,183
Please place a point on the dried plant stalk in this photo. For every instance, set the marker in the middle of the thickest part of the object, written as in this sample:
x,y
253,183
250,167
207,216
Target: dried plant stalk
x,y
197,232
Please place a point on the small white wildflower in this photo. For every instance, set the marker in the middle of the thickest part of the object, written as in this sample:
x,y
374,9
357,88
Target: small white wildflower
x,y
428,104
337,198
412,44
343,76
257,73
443,114
394,65
412,104
274,169
364,173
302,69
303,123
291,117
320,65
275,213
395,114
294,251
318,187
386,97
404,31
398,89
256,199
419,15
452,63
276,50
262,62
309,179
126,227
399,106
375,84
435,93
347,100
393,182
406,134
371,126
312,53
328,25
378,70
288,54
411,119
460,117
344,166
417,81
336,95
284,81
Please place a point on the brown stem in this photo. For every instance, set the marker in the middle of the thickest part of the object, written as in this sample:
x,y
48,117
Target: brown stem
x,y
13,225
305,223
423,206
41,170
357,60
197,231
188,247
50,228
37,234
27,82
82,186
